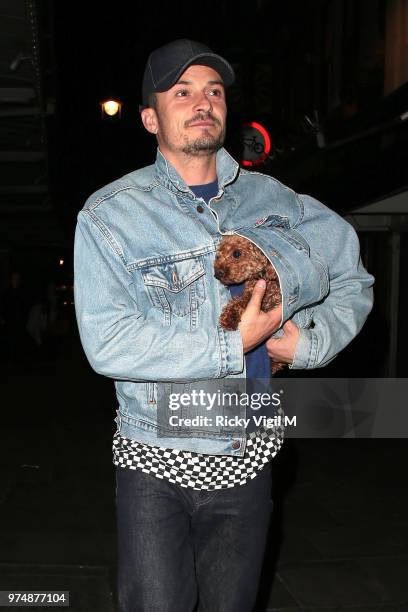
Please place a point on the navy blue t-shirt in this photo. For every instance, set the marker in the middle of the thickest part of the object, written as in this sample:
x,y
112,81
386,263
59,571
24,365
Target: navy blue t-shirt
x,y
257,360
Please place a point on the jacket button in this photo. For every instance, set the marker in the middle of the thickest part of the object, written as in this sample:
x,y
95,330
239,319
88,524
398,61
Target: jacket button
x,y
200,209
236,444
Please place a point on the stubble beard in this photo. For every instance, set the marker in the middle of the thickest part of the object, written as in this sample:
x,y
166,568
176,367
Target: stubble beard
x,y
207,144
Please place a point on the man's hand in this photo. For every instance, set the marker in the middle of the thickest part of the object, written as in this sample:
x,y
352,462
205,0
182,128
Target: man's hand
x,y
256,325
283,349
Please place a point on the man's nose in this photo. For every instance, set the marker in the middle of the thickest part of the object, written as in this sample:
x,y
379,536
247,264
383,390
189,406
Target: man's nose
x,y
203,103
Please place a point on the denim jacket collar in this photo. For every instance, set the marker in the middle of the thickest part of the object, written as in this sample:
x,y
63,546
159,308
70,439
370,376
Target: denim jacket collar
x,y
227,170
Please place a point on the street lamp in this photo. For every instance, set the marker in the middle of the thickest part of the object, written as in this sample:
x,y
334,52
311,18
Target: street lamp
x,y
111,108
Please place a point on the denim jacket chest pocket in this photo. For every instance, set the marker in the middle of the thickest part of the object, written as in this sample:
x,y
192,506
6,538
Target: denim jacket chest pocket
x,y
177,287
296,240
302,273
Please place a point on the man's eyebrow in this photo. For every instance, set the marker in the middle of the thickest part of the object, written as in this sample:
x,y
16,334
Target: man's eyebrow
x,y
183,82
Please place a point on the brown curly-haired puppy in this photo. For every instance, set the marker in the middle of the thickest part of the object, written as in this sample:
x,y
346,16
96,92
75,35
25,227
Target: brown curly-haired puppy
x,y
237,260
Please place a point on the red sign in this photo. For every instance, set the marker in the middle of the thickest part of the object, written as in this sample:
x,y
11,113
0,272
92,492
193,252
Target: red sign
x,y
257,144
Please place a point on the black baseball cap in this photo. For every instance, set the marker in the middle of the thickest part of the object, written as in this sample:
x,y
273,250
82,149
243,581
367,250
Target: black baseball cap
x,y
166,64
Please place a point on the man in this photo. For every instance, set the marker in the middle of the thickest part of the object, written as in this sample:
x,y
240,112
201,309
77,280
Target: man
x,y
194,503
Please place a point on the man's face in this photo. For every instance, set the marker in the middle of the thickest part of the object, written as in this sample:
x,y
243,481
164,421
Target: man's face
x,y
190,117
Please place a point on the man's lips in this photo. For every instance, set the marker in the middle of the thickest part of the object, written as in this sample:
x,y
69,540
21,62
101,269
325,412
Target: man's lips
x,y
202,124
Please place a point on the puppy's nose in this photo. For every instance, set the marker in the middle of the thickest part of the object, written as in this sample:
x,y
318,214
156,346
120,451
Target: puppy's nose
x,y
219,274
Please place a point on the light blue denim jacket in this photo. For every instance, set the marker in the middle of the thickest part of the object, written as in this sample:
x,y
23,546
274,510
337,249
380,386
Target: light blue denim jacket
x,y
148,304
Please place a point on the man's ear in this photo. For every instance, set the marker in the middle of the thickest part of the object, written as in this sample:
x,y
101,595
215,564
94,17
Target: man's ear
x,y
149,120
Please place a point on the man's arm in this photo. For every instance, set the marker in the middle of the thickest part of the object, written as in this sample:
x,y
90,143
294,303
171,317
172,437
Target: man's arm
x,y
255,325
341,315
120,342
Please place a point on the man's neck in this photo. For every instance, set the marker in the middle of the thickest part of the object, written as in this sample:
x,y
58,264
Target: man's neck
x,y
194,170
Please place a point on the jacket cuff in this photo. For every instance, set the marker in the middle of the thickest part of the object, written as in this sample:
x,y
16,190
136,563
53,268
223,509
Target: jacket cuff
x,y
306,350
232,352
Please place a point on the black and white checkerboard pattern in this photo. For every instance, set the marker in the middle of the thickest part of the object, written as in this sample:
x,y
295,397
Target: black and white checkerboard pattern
x,y
195,470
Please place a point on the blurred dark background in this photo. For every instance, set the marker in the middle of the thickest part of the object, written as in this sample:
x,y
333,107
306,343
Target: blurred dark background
x,y
328,81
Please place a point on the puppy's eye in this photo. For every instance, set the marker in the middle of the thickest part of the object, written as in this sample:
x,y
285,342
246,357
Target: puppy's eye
x,y
236,254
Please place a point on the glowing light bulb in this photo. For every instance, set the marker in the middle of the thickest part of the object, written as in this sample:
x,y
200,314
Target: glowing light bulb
x,y
111,107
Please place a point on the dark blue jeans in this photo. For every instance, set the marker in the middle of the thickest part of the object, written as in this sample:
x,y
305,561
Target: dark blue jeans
x,y
179,547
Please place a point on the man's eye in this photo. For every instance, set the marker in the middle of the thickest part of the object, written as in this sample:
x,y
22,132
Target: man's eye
x,y
236,254
215,92
182,93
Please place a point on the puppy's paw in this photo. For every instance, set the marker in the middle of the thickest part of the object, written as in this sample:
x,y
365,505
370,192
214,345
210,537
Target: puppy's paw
x,y
276,366
230,317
